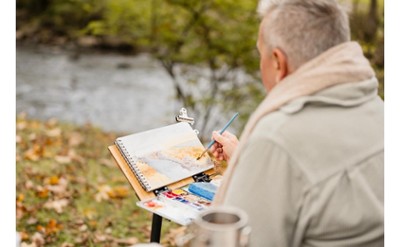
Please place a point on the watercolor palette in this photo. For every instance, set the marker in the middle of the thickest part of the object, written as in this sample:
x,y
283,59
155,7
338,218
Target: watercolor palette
x,y
178,205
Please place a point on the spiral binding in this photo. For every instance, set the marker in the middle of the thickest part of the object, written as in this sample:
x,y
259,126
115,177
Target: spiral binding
x,y
131,162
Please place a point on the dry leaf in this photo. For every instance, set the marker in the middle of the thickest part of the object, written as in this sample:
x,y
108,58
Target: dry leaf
x,y
60,188
38,239
28,184
53,227
119,192
127,241
18,139
24,244
98,238
31,221
23,236
65,244
62,159
103,193
20,197
90,213
42,192
52,122
21,125
75,139
57,205
34,153
53,132
83,228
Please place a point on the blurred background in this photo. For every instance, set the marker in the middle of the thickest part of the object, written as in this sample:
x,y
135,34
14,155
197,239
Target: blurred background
x,y
90,70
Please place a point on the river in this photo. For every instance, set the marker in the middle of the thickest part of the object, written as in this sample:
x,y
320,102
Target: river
x,y
112,91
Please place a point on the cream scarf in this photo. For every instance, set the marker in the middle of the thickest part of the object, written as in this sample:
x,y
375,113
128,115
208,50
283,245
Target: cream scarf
x,y
344,63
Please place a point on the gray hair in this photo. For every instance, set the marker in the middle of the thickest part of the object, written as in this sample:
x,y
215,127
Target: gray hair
x,y
303,29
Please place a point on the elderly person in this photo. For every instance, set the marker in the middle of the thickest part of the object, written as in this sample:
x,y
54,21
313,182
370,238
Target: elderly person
x,y
308,168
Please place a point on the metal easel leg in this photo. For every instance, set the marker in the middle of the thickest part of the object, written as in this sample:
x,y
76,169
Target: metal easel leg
x,y
156,228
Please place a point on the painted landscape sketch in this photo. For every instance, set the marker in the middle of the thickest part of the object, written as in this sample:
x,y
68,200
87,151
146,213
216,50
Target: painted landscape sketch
x,y
165,155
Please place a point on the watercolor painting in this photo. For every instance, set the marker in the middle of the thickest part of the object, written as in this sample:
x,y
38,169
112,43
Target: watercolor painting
x,y
165,155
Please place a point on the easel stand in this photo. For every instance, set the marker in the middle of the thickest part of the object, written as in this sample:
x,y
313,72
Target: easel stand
x,y
145,195
156,225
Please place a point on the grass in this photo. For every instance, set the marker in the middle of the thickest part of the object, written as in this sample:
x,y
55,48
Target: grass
x,y
70,192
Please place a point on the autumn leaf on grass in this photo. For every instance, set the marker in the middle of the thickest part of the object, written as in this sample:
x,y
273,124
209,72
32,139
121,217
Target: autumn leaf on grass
x,y
75,139
57,205
62,159
34,153
119,192
24,244
105,192
52,227
56,132
90,213
38,239
57,185
99,238
126,241
42,192
102,193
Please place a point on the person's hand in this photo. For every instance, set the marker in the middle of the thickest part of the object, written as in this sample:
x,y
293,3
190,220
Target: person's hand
x,y
224,145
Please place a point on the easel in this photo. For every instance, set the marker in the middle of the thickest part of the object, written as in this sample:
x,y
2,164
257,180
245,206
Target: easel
x,y
144,195
156,222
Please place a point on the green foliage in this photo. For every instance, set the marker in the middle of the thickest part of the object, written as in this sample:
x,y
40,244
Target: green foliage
x,y
197,42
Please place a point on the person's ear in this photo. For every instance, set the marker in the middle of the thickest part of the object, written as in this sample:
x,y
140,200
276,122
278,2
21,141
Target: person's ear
x,y
280,64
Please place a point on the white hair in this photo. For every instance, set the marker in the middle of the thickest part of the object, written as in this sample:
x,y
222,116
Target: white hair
x,y
303,29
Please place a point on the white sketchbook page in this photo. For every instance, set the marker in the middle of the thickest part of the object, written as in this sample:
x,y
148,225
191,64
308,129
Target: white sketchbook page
x,y
166,155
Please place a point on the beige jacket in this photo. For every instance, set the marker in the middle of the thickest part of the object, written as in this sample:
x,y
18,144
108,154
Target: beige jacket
x,y
311,173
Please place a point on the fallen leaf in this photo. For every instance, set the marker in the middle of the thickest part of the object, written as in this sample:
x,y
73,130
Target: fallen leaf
x,y
24,244
31,221
53,132
28,184
118,192
57,205
63,159
102,193
34,153
23,235
83,228
42,192
127,241
38,239
20,197
90,213
108,230
53,227
100,238
53,180
75,139
52,122
18,139
40,228
66,244
60,188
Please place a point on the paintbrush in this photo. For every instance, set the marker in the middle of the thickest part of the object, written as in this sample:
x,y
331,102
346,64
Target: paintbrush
x,y
222,131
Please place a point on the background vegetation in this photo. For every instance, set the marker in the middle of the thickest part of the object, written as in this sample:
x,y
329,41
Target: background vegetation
x,y
217,36
67,185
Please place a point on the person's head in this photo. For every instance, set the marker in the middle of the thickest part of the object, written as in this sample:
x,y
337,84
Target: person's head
x,y
293,32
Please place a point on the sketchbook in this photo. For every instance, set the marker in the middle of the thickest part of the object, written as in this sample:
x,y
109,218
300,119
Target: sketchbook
x,y
163,156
